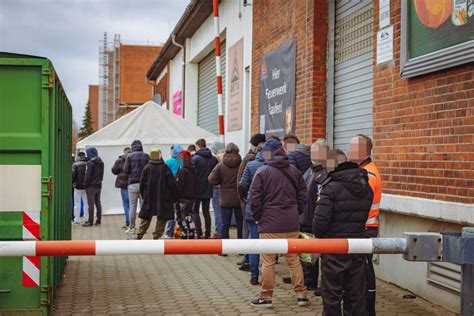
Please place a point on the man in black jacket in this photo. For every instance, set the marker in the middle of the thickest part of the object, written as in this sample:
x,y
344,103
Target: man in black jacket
x,y
121,182
93,184
159,191
341,212
78,174
134,165
204,163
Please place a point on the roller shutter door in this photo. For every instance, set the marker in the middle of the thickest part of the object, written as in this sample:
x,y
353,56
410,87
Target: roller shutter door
x,y
207,91
353,78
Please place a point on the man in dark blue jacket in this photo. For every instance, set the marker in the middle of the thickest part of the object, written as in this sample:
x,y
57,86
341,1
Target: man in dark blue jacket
x,y
244,184
134,165
298,154
93,184
204,163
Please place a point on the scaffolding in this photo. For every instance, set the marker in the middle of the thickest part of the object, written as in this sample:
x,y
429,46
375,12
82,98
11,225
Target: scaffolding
x,y
103,80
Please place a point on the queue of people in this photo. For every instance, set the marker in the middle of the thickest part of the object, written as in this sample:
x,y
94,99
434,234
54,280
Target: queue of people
x,y
279,189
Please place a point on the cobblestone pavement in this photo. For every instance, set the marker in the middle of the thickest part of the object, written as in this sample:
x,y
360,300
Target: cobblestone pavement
x,y
186,285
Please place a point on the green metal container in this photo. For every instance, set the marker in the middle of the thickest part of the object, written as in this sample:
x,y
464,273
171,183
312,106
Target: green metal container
x,y
35,178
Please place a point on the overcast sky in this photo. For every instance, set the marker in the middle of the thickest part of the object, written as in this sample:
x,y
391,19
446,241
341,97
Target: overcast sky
x,y
68,33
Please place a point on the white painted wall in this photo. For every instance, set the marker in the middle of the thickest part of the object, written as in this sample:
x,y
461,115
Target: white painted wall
x,y
413,275
235,23
175,76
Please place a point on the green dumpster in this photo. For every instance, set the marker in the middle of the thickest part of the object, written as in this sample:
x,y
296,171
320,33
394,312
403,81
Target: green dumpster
x,y
35,178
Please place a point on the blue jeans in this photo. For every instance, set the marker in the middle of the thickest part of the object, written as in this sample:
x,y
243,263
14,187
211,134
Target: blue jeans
x,y
171,223
226,213
170,228
216,193
126,205
253,259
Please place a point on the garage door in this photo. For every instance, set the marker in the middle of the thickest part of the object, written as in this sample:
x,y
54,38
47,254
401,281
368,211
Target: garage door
x,y
353,71
207,91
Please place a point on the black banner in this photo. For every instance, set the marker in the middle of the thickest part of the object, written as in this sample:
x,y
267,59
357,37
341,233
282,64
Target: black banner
x,y
277,90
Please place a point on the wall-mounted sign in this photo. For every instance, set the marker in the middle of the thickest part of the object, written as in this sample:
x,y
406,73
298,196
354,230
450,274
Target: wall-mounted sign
x,y
235,86
277,90
385,45
384,13
177,105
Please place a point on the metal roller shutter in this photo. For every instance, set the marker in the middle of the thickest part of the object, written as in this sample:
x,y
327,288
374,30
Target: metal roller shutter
x,y
353,78
207,91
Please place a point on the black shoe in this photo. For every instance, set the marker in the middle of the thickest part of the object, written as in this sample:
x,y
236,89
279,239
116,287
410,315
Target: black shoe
x,y
97,224
302,301
87,224
244,267
317,292
254,281
241,262
286,280
222,255
261,303
311,287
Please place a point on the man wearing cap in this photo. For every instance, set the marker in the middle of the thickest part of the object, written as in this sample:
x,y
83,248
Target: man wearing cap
x,y
159,191
278,195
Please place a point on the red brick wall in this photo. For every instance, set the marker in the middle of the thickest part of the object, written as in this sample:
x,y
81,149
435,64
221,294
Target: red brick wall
x,y
277,21
424,127
94,105
162,88
134,63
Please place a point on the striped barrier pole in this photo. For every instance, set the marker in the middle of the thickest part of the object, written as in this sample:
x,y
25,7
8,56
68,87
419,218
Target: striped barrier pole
x,y
187,247
217,42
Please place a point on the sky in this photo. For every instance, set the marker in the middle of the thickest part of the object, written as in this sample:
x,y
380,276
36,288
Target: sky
x,y
68,33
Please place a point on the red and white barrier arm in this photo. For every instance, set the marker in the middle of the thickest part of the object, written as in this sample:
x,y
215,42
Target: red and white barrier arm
x,y
211,246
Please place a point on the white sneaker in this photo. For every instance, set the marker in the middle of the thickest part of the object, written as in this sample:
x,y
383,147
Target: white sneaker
x,y
127,230
130,231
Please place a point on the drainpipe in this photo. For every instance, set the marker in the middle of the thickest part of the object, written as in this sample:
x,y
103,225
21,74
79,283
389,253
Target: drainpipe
x,y
173,40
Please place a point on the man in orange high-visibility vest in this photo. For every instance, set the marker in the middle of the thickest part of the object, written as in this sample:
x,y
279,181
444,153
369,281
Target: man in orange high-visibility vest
x,y
360,151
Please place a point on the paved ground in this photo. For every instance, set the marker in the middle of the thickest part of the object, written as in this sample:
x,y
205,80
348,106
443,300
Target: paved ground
x,y
186,285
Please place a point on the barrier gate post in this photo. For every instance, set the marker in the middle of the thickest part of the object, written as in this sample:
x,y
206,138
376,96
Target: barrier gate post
x,y
459,248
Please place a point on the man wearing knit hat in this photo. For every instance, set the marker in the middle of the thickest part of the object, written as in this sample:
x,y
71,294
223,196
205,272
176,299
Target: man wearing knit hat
x,y
255,140
278,195
159,191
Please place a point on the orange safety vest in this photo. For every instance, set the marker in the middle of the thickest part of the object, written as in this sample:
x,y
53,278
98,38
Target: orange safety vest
x,y
375,182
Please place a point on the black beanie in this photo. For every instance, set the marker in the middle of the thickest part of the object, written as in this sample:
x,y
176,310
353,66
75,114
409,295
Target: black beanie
x,y
257,139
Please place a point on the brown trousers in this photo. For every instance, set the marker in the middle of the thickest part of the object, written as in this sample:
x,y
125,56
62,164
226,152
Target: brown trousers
x,y
268,268
159,228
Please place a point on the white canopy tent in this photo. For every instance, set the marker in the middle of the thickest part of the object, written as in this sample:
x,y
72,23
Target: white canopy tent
x,y
154,127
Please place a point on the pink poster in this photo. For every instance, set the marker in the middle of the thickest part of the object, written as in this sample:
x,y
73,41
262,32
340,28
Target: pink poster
x,y
177,107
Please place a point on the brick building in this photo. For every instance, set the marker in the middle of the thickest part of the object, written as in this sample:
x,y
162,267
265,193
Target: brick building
x,y
134,63
93,102
122,77
420,118
306,21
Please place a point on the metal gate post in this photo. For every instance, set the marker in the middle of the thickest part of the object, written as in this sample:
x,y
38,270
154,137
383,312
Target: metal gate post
x,y
459,248
467,276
